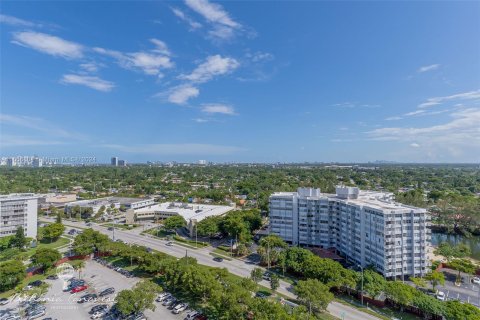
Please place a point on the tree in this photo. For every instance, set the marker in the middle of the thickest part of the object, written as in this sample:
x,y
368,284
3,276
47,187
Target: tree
x,y
313,294
89,241
450,252
256,275
269,249
53,231
46,257
274,282
242,249
141,297
174,222
400,293
435,278
419,282
19,240
58,219
12,272
373,283
456,310
208,226
428,304
462,265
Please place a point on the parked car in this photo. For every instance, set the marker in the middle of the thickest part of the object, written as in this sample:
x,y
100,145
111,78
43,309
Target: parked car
x,y
191,315
52,277
99,314
3,301
34,308
36,314
138,316
180,308
163,296
169,301
260,295
98,307
441,296
266,276
90,297
107,291
476,280
79,289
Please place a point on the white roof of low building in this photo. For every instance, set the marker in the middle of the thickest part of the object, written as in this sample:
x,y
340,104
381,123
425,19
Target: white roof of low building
x,y
188,211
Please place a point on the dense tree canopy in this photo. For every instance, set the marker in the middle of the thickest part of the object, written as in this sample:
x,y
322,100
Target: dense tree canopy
x,y
11,273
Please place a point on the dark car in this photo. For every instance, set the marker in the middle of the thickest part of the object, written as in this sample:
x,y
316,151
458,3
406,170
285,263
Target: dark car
x,y
218,259
87,298
98,307
36,283
52,277
110,228
107,292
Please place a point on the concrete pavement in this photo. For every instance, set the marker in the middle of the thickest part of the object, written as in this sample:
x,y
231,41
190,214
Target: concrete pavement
x,y
234,266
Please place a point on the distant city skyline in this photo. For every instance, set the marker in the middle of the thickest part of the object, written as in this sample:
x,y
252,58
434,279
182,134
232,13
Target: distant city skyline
x,y
348,82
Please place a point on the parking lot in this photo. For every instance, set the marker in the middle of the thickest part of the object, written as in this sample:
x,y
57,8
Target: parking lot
x,y
63,305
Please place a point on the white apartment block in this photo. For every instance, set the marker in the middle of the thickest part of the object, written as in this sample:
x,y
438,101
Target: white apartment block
x,y
366,227
18,210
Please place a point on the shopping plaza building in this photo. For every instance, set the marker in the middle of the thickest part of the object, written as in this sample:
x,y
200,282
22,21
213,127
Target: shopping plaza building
x,y
365,227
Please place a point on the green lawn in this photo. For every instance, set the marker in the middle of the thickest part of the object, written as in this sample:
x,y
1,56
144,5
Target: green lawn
x,y
191,243
222,252
60,242
382,313
158,232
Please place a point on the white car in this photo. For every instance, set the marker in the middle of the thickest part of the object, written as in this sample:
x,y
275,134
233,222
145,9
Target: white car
x,y
441,296
191,315
476,280
170,243
162,296
180,308
98,314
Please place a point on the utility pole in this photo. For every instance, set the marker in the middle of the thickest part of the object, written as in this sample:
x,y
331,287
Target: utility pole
x,y
361,293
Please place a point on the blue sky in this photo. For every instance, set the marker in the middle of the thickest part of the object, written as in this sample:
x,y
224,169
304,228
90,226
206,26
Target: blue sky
x,y
241,81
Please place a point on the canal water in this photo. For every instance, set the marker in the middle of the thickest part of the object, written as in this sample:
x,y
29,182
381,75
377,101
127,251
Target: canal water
x,y
473,242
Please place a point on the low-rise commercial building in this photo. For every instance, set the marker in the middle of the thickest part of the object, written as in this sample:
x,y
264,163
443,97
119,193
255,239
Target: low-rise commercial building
x,y
110,202
366,227
192,213
18,210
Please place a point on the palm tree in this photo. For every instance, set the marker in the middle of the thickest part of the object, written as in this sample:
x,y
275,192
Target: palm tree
x,y
79,267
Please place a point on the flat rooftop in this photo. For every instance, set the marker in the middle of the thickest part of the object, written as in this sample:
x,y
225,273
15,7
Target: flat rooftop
x,y
18,196
187,210
366,198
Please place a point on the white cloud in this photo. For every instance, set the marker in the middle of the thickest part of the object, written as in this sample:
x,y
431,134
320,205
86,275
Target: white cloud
x,y
37,124
161,47
88,81
7,140
218,108
49,44
457,139
13,21
393,118
181,94
414,145
201,120
177,149
223,26
471,95
428,68
213,66
260,56
151,62
90,66
212,12
414,113
182,16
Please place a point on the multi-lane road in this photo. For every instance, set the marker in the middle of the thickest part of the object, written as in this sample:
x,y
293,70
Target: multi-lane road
x,y
203,256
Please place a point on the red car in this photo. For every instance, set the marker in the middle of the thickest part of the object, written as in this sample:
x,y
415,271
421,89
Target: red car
x,y
79,289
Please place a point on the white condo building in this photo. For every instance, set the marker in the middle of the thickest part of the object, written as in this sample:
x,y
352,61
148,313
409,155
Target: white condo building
x,y
18,210
366,227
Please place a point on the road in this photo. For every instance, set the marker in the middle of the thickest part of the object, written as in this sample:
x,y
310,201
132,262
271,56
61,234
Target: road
x,y
203,256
